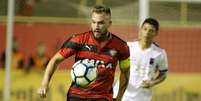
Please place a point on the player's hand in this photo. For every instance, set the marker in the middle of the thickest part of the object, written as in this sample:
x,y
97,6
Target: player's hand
x,y
42,91
147,84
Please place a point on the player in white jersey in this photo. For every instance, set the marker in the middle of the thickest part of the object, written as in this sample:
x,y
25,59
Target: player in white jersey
x,y
148,64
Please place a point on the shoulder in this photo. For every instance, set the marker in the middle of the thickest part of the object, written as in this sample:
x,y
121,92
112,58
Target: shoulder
x,y
118,39
119,44
121,47
157,48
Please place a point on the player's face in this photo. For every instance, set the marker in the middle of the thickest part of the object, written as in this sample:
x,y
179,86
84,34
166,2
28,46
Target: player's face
x,y
100,24
147,32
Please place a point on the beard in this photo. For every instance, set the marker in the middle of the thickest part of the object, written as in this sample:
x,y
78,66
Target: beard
x,y
99,34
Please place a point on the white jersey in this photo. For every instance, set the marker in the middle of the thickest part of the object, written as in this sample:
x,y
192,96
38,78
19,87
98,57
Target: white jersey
x,y
144,64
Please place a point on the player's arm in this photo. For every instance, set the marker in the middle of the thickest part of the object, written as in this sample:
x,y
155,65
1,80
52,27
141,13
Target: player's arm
x,y
160,78
51,67
124,77
162,72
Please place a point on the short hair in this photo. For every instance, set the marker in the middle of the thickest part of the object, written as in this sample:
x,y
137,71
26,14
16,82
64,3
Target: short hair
x,y
101,9
153,22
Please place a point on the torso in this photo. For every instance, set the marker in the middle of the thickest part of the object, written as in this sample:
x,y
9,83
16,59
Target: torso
x,y
144,63
107,53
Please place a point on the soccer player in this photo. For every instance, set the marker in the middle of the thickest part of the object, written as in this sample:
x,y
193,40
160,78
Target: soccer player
x,y
98,44
148,64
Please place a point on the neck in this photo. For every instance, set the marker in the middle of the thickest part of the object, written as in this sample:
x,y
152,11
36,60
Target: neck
x,y
144,44
106,36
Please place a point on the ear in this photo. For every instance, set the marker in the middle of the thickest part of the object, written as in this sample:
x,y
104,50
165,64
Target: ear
x,y
110,22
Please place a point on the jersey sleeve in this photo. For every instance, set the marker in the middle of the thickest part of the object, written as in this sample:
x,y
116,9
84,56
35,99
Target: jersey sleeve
x,y
124,54
163,62
70,46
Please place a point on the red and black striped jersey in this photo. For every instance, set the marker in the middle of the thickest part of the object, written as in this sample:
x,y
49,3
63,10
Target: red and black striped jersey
x,y
85,46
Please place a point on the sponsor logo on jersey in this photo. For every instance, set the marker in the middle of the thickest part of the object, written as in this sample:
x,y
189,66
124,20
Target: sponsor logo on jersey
x,y
99,62
151,61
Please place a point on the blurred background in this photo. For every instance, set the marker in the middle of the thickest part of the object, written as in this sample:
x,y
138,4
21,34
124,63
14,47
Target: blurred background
x,y
41,26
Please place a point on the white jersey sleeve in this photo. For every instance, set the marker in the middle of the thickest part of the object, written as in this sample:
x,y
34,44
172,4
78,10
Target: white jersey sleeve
x,y
163,62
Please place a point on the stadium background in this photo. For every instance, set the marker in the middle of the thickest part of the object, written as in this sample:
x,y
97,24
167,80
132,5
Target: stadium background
x,y
52,21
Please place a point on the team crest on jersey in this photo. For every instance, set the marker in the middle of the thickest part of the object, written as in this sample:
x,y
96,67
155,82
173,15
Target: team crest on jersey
x,y
151,61
113,52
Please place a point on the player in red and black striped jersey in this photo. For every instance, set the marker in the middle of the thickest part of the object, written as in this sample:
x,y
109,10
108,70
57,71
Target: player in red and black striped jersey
x,y
98,45
85,46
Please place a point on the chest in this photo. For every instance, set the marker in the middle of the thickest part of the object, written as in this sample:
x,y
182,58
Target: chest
x,y
99,51
144,59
